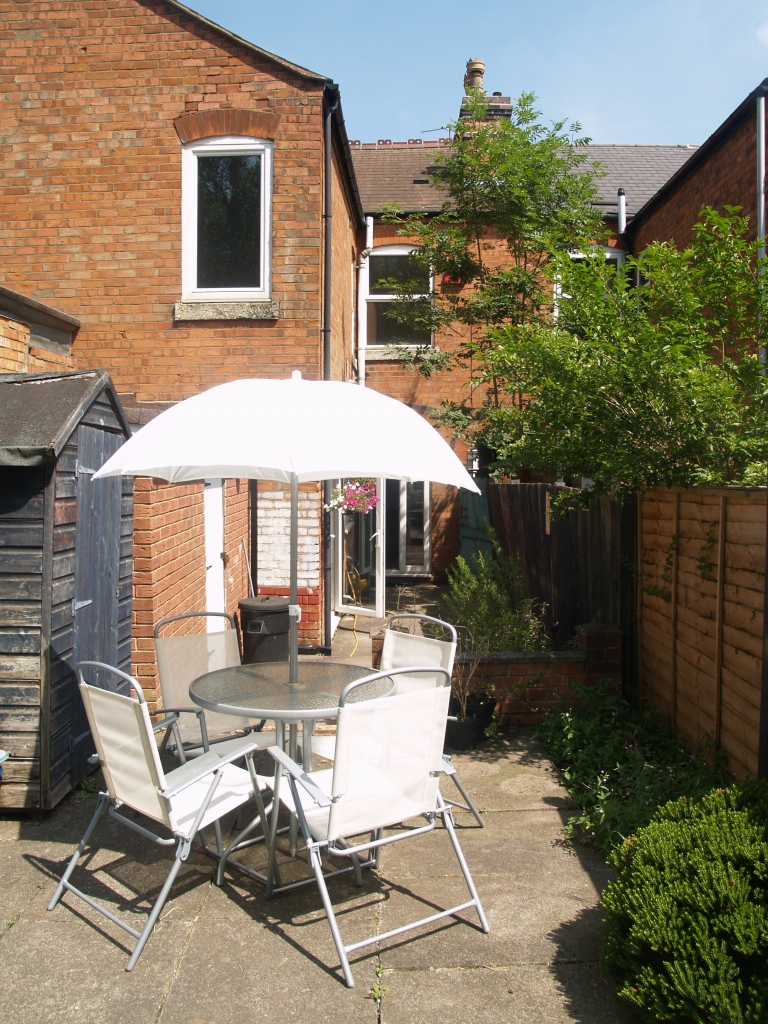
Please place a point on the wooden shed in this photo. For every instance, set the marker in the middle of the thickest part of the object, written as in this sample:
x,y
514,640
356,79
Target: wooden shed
x,y
65,572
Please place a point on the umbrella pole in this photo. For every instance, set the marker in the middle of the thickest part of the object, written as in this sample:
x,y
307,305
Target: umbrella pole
x,y
293,636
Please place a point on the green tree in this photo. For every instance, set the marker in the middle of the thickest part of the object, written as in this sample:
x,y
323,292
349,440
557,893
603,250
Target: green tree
x,y
636,386
516,196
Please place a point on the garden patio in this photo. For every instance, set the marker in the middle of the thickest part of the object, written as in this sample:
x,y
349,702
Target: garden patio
x,y
229,955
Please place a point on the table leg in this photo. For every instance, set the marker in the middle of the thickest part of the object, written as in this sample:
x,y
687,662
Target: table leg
x,y
293,752
308,726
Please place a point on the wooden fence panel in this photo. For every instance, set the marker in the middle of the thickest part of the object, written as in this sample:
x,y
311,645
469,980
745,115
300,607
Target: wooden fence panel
x,y
701,556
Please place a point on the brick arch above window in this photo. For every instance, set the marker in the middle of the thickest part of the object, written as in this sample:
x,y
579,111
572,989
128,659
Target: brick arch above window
x,y
206,124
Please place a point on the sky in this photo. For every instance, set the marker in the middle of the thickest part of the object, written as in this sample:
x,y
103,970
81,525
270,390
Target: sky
x,y
659,71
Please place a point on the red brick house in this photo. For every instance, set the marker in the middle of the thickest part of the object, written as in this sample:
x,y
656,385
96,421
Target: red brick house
x,y
723,171
422,525
190,199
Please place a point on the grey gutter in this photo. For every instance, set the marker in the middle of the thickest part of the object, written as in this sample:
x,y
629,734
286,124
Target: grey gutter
x,y
715,140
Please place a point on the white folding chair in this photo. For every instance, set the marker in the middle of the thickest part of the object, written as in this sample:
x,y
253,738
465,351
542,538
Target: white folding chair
x,y
401,650
389,758
185,801
181,660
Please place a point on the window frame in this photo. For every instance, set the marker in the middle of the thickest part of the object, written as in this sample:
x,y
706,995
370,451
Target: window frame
x,y
392,250
225,145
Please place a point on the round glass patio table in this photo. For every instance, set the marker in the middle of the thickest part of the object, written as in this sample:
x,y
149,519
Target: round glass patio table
x,y
263,691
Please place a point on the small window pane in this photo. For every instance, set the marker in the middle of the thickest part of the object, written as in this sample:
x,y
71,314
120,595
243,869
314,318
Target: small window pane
x,y
414,524
400,267
382,330
229,221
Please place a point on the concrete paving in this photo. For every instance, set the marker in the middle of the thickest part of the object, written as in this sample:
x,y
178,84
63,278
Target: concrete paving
x,y
229,956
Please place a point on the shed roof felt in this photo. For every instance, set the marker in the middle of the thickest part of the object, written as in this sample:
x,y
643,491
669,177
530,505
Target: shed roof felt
x,y
39,411
398,173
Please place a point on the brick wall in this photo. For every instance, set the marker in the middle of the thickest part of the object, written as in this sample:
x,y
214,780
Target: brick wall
x,y
168,566
726,177
274,532
18,356
529,685
90,221
90,188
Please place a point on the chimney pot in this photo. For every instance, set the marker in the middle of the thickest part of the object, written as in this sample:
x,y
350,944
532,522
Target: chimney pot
x,y
475,71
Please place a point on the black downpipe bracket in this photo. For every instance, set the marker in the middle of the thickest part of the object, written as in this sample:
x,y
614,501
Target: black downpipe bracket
x,y
331,103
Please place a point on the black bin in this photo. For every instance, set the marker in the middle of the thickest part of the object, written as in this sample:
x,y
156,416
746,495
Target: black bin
x,y
264,622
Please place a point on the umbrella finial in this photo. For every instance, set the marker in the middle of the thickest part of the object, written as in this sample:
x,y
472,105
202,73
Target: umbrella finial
x,y
296,375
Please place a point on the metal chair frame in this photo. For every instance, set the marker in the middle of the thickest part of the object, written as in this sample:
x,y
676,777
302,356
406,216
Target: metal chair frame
x,y
191,774
449,769
172,728
340,847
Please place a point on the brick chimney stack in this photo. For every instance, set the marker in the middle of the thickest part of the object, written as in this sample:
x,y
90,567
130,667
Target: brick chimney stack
x,y
497,105
475,71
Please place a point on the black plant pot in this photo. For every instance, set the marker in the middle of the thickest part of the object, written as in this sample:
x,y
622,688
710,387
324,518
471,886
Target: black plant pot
x,y
464,735
482,707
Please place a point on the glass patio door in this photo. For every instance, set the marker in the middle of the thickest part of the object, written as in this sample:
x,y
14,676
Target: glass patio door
x,y
408,528
359,559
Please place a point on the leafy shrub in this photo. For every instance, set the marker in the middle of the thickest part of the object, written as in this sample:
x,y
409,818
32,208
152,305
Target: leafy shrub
x,y
490,601
687,928
619,765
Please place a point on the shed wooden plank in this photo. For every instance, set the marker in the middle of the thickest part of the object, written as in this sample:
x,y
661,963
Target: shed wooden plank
x,y
20,613
17,770
19,640
20,795
63,564
19,719
66,485
21,534
21,505
64,537
20,744
63,590
61,616
17,587
100,416
19,666
65,511
21,560
19,694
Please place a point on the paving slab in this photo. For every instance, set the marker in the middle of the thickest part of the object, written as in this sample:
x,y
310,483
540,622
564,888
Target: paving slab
x,y
229,955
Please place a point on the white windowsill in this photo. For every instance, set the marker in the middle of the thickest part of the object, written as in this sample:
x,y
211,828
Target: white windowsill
x,y
261,309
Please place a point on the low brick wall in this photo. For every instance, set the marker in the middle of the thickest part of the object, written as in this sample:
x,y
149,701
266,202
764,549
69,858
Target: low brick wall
x,y
530,684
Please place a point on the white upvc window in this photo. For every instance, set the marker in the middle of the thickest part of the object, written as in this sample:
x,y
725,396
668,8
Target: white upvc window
x,y
226,220
391,262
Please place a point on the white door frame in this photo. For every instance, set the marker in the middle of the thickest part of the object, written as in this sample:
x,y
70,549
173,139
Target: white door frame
x,y
338,560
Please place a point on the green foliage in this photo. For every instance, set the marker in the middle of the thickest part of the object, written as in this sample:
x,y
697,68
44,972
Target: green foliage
x,y
619,765
634,387
515,195
687,926
489,599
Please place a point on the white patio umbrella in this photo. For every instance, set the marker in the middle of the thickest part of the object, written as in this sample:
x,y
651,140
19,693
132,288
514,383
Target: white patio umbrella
x,y
293,431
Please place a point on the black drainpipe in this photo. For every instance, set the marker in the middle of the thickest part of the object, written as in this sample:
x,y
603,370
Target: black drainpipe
x,y
331,103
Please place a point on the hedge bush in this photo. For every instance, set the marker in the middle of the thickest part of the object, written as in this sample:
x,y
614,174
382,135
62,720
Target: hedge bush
x,y
619,765
687,924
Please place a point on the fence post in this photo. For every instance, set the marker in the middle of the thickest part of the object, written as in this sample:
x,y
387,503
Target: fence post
x,y
675,546
719,616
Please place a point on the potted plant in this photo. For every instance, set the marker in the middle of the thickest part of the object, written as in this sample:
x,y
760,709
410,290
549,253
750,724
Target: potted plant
x,y
488,603
468,709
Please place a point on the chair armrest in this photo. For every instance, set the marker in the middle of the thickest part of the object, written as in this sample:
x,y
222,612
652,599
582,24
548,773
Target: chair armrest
x,y
300,776
164,722
205,765
181,711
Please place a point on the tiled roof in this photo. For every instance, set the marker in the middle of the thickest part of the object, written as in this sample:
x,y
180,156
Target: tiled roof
x,y
639,170
398,173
